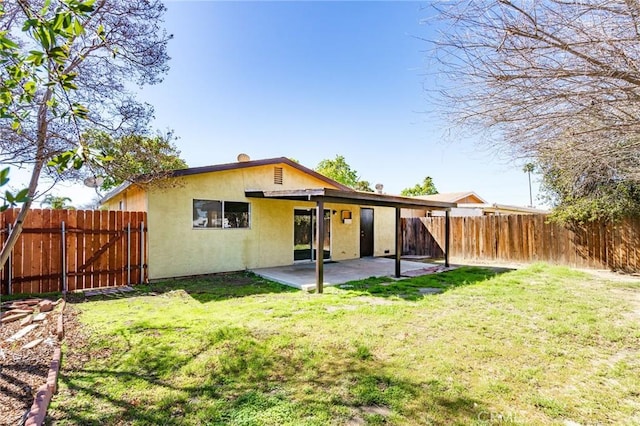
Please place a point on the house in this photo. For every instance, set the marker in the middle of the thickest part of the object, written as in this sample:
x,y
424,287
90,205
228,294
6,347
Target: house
x,y
261,213
468,204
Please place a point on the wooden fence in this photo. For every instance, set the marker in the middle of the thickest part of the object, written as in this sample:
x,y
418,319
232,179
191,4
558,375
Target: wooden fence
x,y
527,238
67,250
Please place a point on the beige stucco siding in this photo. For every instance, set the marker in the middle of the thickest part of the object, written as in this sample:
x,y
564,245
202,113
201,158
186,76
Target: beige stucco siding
x,y
345,237
384,225
177,249
134,199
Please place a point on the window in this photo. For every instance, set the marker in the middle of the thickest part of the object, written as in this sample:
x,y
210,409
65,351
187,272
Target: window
x,y
277,175
220,214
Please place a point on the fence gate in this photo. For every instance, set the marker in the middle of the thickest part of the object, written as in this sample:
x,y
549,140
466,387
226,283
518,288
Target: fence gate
x,y
67,250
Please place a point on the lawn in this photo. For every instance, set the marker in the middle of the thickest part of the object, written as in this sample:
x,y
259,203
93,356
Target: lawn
x,y
542,345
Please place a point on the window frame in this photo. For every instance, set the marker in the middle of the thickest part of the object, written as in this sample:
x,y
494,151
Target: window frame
x,y
223,214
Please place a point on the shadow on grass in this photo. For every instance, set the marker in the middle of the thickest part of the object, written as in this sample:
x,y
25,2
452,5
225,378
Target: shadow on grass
x,y
235,378
205,288
416,288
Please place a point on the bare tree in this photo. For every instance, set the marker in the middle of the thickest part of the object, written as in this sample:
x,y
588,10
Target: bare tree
x,y
69,66
553,80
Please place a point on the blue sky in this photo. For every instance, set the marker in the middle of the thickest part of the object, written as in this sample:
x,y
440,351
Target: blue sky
x,y
310,80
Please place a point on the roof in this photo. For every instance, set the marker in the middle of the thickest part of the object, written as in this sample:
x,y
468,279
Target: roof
x,y
505,208
351,197
234,166
452,197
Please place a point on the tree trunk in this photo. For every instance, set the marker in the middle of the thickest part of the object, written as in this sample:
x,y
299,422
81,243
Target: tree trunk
x,y
16,230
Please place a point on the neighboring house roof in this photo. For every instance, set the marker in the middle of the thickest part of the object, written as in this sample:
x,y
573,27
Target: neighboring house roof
x,y
505,208
234,166
468,197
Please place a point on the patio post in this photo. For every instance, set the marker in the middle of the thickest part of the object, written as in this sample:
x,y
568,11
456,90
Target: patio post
x,y
320,245
398,241
447,232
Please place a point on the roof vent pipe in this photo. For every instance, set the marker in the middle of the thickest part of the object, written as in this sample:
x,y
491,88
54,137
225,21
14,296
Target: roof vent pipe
x,y
379,187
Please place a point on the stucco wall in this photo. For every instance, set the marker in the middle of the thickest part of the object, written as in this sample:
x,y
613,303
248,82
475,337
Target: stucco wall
x,y
177,249
345,237
134,199
384,225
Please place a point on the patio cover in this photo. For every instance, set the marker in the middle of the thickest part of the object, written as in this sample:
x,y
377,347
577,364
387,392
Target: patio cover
x,y
328,195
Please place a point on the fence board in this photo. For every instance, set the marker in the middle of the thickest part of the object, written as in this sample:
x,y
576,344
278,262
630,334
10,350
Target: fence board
x,y
57,217
79,238
95,250
527,238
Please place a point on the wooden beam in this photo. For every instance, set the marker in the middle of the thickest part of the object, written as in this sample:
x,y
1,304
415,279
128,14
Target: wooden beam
x,y
319,246
329,195
447,231
398,241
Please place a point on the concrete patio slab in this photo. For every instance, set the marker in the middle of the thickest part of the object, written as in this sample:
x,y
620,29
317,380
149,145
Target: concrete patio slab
x,y
303,275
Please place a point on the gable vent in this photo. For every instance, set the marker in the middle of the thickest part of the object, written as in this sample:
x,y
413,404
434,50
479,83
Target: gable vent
x,y
277,175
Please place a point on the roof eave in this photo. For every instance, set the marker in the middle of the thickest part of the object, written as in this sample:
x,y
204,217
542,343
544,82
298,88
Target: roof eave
x,y
350,197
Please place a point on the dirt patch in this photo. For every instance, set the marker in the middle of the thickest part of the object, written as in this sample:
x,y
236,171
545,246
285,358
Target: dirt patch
x,y
633,297
373,300
376,409
23,370
331,309
369,410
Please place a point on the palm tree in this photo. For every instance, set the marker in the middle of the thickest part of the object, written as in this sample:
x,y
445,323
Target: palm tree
x,y
528,168
57,202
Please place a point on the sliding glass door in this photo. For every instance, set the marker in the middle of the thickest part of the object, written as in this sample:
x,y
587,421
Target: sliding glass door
x,y
304,234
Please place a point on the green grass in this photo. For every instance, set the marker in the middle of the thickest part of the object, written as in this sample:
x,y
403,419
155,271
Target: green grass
x,y
543,345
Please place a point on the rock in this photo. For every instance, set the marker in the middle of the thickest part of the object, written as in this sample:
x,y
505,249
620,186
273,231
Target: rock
x,y
20,334
40,317
430,290
33,343
11,318
45,305
20,311
26,320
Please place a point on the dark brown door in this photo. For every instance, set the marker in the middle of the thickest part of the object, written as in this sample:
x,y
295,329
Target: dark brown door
x,y
366,232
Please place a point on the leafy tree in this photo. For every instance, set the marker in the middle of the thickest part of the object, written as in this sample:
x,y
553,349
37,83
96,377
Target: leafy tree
x,y
593,193
339,170
57,202
553,81
363,185
425,188
9,199
146,157
66,68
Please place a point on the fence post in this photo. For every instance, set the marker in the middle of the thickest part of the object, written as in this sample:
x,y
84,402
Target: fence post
x,y
7,268
64,258
142,253
128,253
447,231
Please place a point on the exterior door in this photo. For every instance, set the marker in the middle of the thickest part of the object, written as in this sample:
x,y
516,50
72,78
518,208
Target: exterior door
x,y
304,234
366,232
